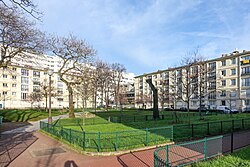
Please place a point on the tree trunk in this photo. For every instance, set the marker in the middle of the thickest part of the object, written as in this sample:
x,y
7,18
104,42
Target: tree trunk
x,y
46,103
71,103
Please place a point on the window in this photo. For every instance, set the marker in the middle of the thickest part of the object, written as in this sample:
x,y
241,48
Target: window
x,y
13,93
60,99
36,88
247,102
233,71
246,58
24,80
4,93
25,72
212,66
14,69
4,76
13,77
223,83
233,61
246,82
59,84
24,96
233,94
25,88
5,85
223,72
248,93
36,73
223,93
13,85
245,70
223,102
223,63
233,81
212,95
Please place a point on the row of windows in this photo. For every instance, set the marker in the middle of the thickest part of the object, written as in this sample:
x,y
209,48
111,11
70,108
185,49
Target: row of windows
x,y
224,83
224,63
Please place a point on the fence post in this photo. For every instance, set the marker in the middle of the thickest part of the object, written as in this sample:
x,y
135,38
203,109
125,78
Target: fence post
x,y
146,136
232,125
242,122
116,140
84,140
99,141
192,130
221,126
61,132
70,136
232,142
167,161
205,148
208,131
146,117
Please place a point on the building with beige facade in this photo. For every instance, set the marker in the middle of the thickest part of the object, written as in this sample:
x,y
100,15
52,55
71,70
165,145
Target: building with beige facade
x,y
225,81
29,74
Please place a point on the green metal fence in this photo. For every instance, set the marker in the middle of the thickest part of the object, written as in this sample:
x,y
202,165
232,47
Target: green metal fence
x,y
200,130
1,120
111,141
182,117
188,153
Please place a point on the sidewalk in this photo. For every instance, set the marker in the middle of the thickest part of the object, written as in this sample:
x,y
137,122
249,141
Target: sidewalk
x,y
26,147
33,126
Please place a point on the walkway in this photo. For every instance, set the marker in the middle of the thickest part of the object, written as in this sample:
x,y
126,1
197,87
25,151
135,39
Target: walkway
x,y
33,126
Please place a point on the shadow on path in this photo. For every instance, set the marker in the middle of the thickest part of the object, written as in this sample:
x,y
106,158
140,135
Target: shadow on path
x,y
12,145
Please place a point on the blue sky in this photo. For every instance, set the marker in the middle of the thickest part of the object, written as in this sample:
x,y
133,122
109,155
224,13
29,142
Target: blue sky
x,y
149,35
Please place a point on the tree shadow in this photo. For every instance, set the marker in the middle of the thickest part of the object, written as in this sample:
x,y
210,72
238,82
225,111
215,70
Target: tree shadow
x,y
12,145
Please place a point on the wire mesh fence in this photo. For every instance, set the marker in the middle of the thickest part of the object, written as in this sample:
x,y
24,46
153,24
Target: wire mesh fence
x,y
181,117
199,130
187,153
111,141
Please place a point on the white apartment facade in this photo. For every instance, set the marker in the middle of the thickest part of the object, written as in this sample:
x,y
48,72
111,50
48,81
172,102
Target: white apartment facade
x,y
227,83
25,76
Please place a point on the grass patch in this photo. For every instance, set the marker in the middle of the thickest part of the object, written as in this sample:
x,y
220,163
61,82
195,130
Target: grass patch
x,y
132,132
239,158
25,115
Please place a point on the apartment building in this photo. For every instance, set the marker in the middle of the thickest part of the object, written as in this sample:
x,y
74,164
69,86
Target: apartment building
x,y
29,74
224,81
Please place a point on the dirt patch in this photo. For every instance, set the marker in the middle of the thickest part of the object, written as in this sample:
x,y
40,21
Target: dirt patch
x,y
6,126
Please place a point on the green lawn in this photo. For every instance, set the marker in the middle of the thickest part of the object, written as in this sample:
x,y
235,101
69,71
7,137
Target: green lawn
x,y
25,115
131,131
240,159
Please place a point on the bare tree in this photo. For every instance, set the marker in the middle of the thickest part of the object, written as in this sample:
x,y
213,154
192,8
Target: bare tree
x,y
44,90
85,89
71,52
188,81
17,36
117,74
27,6
34,97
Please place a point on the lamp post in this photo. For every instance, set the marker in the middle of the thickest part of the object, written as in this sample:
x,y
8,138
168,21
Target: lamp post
x,y
50,73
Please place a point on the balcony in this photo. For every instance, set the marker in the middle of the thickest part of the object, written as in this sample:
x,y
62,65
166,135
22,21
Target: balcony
x,y
211,87
245,73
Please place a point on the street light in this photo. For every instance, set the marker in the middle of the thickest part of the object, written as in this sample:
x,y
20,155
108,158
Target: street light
x,y
50,73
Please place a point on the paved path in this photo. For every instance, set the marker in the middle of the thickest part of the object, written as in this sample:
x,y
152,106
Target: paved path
x,y
26,147
33,126
41,150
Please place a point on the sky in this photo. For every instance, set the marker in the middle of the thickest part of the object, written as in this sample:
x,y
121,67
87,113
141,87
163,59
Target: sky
x,y
151,35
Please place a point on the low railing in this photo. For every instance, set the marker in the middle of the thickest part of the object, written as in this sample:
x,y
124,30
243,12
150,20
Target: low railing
x,y
111,141
188,153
